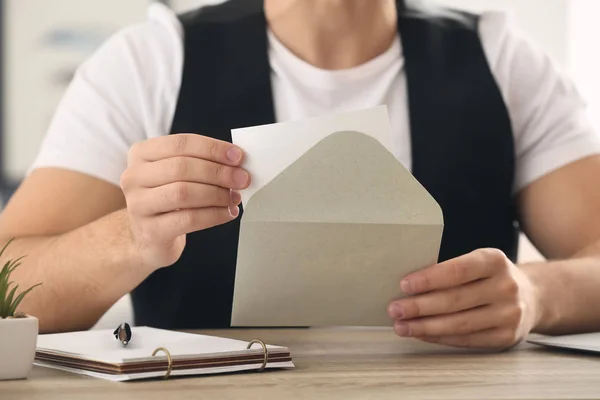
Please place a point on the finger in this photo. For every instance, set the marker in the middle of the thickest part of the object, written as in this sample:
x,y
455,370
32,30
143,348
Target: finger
x,y
185,169
492,339
167,226
181,195
186,145
459,323
476,265
447,301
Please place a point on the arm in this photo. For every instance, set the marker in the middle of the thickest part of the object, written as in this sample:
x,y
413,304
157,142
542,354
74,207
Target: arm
x,y
74,231
88,251
561,216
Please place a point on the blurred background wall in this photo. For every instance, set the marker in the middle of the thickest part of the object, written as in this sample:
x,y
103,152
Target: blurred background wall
x,y
43,42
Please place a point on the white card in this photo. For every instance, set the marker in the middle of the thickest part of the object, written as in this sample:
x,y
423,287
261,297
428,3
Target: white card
x,y
270,149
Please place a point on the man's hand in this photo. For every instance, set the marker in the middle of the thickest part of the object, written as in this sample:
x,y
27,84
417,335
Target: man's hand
x,y
179,184
479,300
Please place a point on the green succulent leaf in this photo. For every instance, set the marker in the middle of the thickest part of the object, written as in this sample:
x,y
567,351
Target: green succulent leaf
x,y
15,304
5,295
15,264
11,295
5,246
8,301
5,271
3,303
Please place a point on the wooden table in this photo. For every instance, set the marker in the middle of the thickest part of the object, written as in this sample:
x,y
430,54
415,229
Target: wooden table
x,y
347,364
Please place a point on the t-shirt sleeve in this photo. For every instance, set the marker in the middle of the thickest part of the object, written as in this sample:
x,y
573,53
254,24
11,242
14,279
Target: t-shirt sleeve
x,y
124,93
549,117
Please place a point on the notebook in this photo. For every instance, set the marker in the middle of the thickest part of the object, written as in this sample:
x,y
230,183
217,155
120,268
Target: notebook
x,y
98,354
589,342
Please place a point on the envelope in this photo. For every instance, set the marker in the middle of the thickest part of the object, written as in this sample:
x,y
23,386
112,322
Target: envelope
x,y
326,240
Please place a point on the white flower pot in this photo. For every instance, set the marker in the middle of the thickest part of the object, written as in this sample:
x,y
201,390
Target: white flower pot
x,y
18,340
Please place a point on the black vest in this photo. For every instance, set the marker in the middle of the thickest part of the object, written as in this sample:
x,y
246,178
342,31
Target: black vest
x,y
461,139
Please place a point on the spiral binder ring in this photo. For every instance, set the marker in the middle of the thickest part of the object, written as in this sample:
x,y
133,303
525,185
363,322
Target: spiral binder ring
x,y
169,360
255,341
265,353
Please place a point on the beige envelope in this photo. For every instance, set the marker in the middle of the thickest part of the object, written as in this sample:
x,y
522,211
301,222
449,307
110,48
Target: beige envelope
x,y
327,241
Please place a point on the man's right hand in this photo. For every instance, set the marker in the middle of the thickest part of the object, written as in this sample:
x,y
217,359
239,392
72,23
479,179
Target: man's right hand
x,y
178,184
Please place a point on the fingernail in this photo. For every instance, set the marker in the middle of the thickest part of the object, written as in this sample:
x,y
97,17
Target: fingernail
x,y
240,177
406,286
236,197
396,311
234,211
401,329
234,154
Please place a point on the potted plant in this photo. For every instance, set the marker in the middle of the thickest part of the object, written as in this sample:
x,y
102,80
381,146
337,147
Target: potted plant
x,y
18,332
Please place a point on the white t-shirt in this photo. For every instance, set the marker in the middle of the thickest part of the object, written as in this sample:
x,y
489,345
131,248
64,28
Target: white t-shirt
x,y
127,92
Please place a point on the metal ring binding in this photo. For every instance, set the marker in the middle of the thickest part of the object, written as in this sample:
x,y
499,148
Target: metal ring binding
x,y
265,353
169,360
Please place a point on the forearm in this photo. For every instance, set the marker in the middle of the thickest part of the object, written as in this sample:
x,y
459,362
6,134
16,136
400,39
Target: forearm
x,y
568,293
83,272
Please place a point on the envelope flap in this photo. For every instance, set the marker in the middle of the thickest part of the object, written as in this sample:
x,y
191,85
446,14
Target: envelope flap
x,y
348,177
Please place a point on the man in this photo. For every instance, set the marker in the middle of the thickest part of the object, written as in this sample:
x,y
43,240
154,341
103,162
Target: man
x,y
482,118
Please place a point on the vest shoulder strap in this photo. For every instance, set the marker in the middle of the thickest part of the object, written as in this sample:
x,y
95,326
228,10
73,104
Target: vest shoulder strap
x,y
225,81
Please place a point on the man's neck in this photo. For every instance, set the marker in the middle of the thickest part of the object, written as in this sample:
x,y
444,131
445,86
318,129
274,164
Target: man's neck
x,y
333,34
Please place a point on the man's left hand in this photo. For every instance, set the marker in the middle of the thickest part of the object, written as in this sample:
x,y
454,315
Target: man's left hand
x,y
479,300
